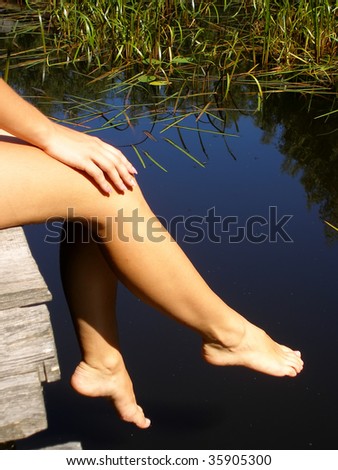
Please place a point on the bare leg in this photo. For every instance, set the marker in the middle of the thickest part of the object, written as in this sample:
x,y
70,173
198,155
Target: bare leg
x,y
35,187
161,274
90,288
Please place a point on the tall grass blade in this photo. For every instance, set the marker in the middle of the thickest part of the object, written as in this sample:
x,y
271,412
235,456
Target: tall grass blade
x,y
139,156
184,151
154,161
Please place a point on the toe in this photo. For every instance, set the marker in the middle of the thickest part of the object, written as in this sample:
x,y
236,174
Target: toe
x,y
140,420
134,414
292,372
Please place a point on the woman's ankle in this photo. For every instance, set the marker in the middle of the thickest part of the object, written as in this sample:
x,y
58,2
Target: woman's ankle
x,y
228,333
109,363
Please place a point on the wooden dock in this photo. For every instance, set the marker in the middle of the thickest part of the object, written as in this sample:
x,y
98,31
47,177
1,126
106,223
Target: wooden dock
x,y
28,354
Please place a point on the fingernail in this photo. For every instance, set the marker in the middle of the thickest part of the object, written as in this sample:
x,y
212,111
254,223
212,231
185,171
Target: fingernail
x,y
109,189
134,170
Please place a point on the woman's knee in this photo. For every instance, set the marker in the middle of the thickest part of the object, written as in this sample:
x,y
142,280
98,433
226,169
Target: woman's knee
x,y
109,213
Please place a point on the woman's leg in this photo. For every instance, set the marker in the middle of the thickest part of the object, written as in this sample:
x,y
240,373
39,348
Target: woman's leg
x,y
90,288
31,191
151,264
35,187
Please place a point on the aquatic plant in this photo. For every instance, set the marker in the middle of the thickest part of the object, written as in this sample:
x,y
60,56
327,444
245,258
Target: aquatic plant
x,y
260,41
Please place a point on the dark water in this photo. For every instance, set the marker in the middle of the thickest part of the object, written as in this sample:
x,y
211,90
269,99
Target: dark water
x,y
283,158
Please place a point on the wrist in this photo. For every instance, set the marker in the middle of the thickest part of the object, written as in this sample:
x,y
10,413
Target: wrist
x,y
44,134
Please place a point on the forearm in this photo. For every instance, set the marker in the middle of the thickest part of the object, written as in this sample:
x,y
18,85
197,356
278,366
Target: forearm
x,y
21,119
105,164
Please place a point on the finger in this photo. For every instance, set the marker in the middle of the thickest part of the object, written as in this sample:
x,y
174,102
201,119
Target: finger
x,y
132,170
113,151
115,177
116,171
125,175
98,176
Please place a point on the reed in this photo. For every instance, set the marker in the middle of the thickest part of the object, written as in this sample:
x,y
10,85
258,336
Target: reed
x,y
230,39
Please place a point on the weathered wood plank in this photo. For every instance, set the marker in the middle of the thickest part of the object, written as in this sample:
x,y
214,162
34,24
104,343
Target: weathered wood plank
x,y
27,348
21,283
22,407
27,343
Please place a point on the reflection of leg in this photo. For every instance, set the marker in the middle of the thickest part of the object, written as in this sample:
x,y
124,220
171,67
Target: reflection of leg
x,y
90,288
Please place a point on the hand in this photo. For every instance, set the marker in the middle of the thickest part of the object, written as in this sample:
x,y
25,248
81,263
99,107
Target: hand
x,y
103,162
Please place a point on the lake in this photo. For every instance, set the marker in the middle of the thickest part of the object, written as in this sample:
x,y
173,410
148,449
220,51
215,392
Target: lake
x,y
274,171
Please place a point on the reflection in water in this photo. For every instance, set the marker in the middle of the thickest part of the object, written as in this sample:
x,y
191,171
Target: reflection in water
x,y
305,127
288,288
309,144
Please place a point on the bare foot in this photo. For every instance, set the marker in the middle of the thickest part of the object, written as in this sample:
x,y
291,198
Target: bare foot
x,y
113,382
256,350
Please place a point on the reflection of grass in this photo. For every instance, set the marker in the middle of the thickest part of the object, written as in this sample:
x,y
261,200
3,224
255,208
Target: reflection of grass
x,y
270,43
167,121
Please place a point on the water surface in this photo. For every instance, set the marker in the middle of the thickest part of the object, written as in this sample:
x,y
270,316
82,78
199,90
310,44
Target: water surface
x,y
281,157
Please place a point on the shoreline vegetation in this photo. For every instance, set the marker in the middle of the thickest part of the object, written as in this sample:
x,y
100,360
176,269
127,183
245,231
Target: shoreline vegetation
x,y
275,45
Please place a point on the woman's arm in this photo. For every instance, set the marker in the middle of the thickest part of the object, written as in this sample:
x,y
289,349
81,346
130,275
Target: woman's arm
x,y
103,162
21,119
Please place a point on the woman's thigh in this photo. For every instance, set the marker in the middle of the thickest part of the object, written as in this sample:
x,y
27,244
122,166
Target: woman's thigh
x,y
35,187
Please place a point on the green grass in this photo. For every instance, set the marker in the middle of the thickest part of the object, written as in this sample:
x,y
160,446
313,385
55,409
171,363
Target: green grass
x,y
266,42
